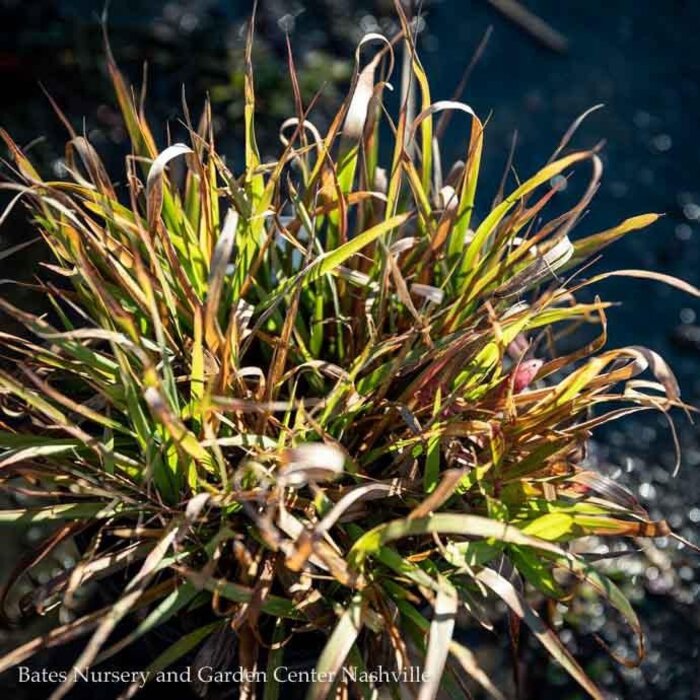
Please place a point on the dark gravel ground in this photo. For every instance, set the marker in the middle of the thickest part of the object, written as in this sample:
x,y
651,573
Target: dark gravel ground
x,y
638,57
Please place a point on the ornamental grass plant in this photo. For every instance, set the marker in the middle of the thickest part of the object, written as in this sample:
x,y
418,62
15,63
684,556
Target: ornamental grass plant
x,y
316,397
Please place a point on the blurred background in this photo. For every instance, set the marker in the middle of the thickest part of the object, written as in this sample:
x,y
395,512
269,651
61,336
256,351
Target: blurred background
x,y
637,57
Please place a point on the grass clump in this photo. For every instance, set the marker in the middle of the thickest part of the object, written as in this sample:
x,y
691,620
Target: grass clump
x,y
316,395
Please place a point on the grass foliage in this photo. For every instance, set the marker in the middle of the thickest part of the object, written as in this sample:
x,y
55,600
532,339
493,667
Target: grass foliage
x,y
317,395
